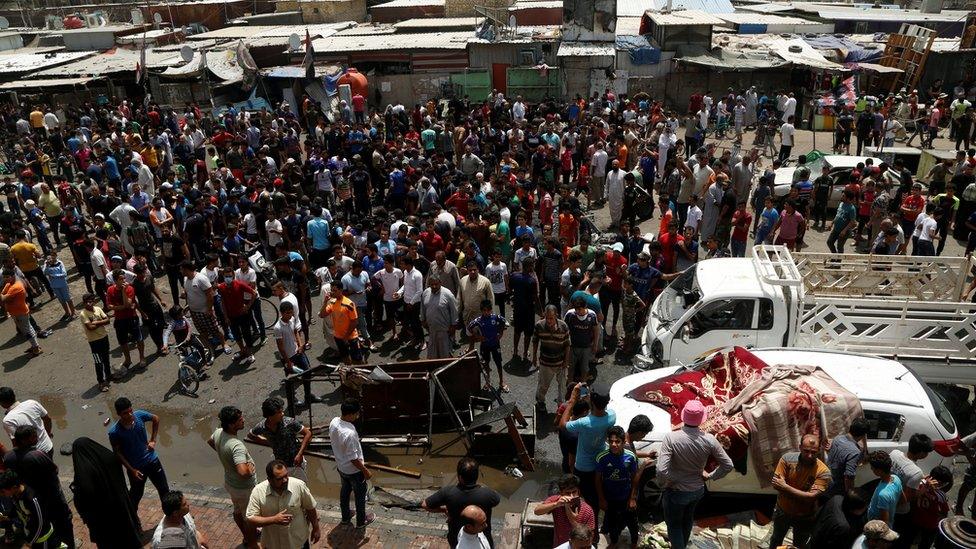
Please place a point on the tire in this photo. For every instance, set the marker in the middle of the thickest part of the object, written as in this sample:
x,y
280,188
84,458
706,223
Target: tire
x,y
650,495
189,379
269,312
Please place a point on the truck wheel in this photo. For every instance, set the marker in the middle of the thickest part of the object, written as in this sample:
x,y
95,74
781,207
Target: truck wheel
x,y
650,493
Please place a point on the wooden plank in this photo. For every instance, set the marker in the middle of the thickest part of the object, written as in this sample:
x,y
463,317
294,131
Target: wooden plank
x,y
521,450
370,464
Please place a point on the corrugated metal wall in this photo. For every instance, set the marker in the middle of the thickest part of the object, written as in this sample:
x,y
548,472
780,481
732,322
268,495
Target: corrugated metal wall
x,y
474,84
532,85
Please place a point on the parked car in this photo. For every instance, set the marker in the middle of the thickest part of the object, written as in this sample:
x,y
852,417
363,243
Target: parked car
x,y
896,403
840,170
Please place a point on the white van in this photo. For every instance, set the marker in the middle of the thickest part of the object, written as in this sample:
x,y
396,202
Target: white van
x,y
895,402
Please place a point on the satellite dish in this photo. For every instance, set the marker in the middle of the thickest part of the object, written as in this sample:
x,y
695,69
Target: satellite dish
x,y
137,18
157,18
4,24
186,52
294,42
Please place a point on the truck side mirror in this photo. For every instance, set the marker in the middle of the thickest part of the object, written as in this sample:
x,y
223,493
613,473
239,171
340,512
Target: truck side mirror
x,y
685,333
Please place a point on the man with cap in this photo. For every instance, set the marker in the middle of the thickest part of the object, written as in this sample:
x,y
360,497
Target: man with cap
x,y
877,535
681,471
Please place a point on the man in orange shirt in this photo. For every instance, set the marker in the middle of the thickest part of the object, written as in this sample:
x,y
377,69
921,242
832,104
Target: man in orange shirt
x,y
568,225
14,297
344,319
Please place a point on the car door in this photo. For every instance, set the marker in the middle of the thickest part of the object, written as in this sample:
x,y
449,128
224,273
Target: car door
x,y
886,432
841,177
716,324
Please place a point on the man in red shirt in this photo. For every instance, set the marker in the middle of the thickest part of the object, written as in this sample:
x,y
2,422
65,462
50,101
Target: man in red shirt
x,y
911,206
741,221
567,508
359,108
669,246
432,241
121,298
236,299
612,290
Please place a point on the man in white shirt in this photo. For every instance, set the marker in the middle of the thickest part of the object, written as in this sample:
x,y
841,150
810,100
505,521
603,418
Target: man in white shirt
x,y
413,290
786,132
927,227
472,534
518,109
598,173
28,412
789,108
348,454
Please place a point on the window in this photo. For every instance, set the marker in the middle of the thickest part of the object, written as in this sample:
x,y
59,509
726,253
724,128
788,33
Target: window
x,y
724,314
765,314
941,411
884,425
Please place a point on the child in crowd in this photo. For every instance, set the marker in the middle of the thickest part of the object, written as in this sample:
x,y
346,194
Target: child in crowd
x,y
57,276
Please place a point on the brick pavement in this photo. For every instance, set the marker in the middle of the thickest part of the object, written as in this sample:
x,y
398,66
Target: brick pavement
x,y
393,528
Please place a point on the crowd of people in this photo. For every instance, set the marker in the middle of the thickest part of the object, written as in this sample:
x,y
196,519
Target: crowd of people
x,y
451,223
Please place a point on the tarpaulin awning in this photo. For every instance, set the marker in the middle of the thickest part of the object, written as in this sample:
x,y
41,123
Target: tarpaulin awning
x,y
727,60
798,52
874,67
222,64
641,51
851,50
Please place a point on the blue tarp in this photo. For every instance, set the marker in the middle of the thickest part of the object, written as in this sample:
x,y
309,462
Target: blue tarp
x,y
856,52
640,49
752,28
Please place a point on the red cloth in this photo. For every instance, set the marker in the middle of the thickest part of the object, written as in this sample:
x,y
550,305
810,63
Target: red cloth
x,y
714,384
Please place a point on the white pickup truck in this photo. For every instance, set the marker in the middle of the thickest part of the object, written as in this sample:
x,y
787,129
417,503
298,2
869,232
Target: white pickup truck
x,y
908,308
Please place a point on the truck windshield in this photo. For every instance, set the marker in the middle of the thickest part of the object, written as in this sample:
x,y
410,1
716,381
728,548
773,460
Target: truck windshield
x,y
941,412
677,297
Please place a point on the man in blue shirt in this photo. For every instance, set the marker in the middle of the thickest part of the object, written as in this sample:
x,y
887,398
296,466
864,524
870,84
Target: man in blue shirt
x,y
616,486
887,493
488,329
317,233
592,433
844,221
137,452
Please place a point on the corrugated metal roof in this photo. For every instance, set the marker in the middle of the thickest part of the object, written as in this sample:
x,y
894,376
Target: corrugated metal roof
x,y
394,42
297,71
535,4
765,8
439,23
842,12
764,19
637,8
683,17
25,62
408,3
367,29
113,61
628,26
586,49
45,83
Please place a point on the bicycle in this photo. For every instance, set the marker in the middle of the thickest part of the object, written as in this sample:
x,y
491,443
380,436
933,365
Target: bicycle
x,y
194,357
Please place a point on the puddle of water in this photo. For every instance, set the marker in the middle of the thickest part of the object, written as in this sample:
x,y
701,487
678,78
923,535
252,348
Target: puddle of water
x,y
183,450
